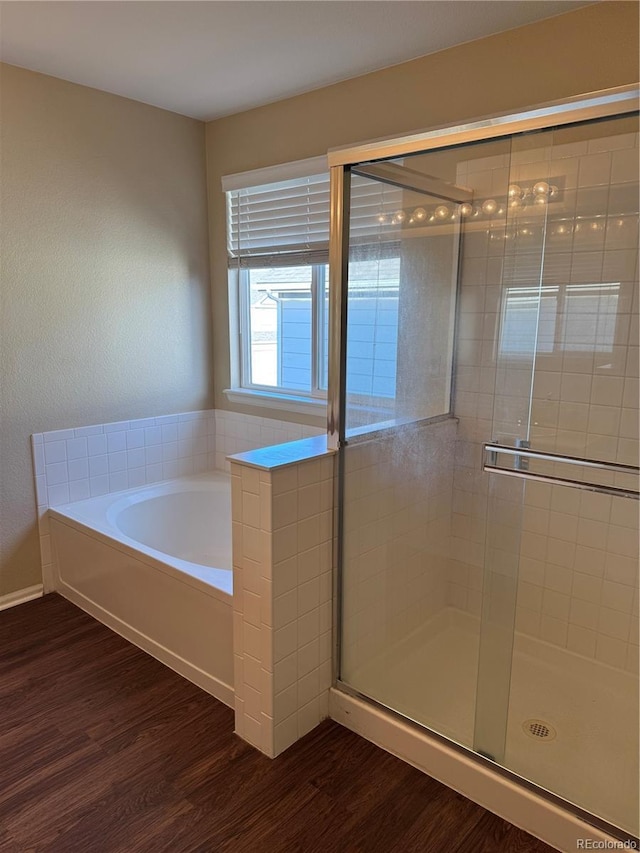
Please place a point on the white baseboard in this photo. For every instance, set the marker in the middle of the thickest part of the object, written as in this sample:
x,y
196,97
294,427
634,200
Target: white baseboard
x,y
502,796
20,596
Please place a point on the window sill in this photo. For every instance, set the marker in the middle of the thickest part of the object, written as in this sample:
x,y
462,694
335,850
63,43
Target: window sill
x,y
271,400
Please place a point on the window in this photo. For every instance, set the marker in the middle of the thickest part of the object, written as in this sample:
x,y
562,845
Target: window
x,y
278,245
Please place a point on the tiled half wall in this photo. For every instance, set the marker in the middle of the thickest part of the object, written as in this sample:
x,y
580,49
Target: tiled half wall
x,y
282,595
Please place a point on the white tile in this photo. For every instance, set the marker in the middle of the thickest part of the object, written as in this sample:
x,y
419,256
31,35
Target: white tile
x,y
83,432
117,426
135,438
79,490
251,608
38,458
621,569
136,457
285,509
152,436
98,465
308,596
58,494
78,469
582,641
285,608
285,703
285,733
618,596
185,448
607,390
285,672
308,658
99,485
553,630
153,473
309,533
97,445
308,627
586,587
76,448
285,576
170,469
57,473
117,461
55,451
169,432
118,481
153,454
169,451
253,731
135,478
185,428
285,641
584,614
308,717
116,441
58,435
252,640
142,423
285,543
41,489
613,623
612,651
556,604
590,561
251,509
166,419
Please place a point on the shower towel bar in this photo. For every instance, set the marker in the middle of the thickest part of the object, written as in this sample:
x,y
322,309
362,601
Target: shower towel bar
x,y
614,467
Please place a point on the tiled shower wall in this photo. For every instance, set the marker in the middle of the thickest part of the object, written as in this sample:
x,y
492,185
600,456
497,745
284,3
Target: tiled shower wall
x,y
397,503
75,464
578,577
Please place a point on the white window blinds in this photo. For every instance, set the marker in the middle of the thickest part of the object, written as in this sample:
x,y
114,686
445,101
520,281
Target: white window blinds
x,y
279,216
279,223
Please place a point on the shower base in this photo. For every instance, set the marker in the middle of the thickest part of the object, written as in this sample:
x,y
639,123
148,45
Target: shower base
x,y
590,709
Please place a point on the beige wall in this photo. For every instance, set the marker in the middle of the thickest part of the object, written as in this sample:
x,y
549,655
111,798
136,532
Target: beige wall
x,y
105,297
592,48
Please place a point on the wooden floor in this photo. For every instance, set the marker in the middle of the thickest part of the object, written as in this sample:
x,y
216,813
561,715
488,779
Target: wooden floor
x,y
104,749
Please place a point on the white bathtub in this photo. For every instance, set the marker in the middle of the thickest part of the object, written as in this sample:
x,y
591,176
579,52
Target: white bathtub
x,y
154,564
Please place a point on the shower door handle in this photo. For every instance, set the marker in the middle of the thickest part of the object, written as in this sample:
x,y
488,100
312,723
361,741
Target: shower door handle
x,y
492,451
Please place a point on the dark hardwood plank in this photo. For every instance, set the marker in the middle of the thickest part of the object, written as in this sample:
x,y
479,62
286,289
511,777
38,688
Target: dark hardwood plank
x,y
103,749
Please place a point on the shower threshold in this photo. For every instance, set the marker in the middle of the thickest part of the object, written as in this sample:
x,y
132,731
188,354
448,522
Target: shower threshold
x,y
586,758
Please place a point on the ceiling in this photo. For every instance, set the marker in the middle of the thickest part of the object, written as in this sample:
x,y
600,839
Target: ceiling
x,y
210,59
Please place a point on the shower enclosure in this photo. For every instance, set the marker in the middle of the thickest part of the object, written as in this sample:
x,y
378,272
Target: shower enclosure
x,y
484,400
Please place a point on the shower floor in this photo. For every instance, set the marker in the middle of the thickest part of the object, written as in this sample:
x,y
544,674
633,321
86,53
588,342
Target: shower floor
x,y
593,708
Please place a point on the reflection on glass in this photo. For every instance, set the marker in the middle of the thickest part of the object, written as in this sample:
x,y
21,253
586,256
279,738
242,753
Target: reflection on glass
x,y
573,317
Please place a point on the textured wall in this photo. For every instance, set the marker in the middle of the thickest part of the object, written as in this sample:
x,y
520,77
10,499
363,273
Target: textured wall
x,y
545,61
105,297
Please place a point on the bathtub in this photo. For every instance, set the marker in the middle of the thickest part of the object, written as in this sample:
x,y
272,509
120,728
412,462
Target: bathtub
x,y
154,564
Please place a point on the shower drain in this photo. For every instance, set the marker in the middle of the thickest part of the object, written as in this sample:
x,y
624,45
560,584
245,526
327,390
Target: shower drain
x,y
539,729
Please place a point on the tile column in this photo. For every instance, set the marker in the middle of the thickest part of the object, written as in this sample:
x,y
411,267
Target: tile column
x,y
282,511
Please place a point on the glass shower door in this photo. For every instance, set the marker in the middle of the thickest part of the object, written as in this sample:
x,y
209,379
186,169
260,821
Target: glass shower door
x,y
400,441
557,699
489,541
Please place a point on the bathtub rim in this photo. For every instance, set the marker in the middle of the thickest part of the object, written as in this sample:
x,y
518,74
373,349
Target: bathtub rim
x,y
132,548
